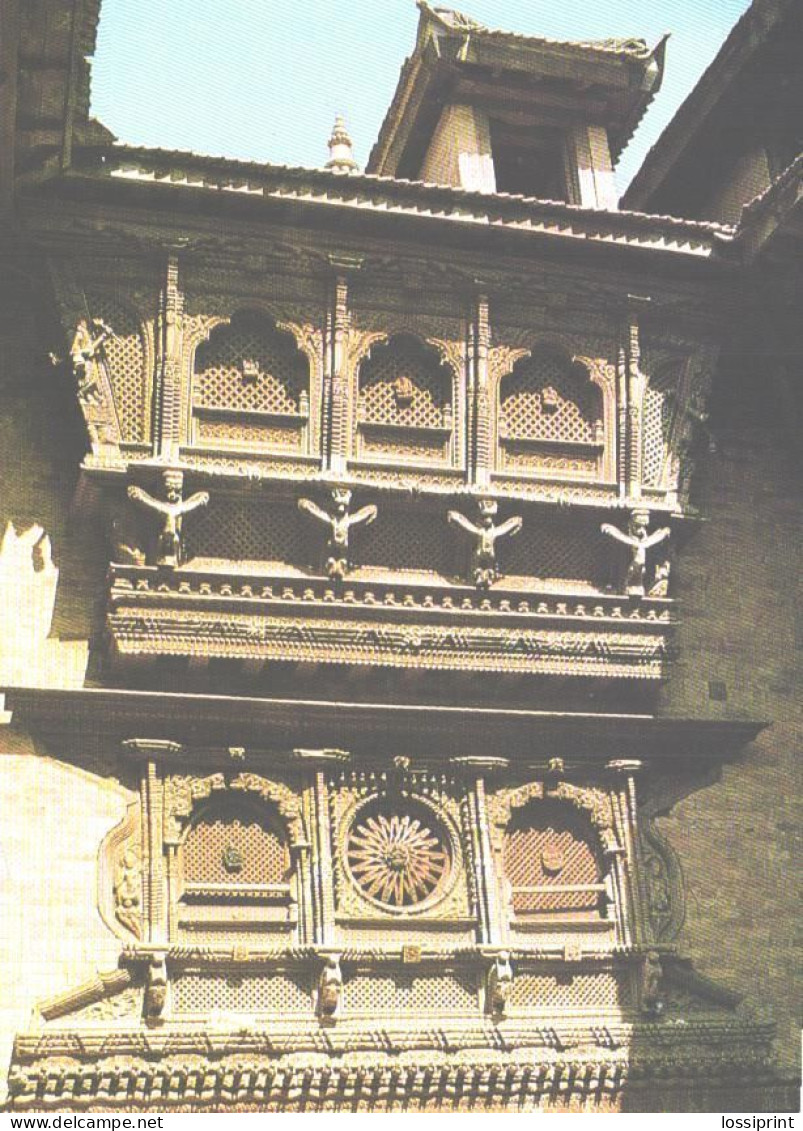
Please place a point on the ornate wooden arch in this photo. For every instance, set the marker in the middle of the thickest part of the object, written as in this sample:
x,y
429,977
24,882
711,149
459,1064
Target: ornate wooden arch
x,y
183,793
593,803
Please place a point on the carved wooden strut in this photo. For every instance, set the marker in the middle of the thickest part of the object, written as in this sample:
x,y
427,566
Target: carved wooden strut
x,y
172,510
339,524
485,569
639,542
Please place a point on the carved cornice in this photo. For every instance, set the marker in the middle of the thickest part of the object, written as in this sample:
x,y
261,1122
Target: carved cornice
x,y
437,729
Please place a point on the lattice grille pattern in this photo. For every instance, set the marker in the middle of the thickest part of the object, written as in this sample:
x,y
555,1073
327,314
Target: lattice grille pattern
x,y
405,540
125,359
229,845
545,398
547,845
659,411
402,992
250,365
246,530
578,991
240,993
404,382
562,548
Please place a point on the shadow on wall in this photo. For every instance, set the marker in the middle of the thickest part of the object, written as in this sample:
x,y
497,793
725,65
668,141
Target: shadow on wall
x,y
41,447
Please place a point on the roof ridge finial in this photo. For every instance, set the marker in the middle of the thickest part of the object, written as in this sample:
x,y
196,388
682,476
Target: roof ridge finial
x,y
341,157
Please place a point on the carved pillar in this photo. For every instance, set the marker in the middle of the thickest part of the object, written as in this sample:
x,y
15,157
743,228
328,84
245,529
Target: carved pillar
x,y
475,770
167,391
479,456
155,877
635,385
336,375
319,858
626,868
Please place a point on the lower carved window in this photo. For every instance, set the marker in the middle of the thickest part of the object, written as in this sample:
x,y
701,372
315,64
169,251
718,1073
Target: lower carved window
x,y
552,865
235,871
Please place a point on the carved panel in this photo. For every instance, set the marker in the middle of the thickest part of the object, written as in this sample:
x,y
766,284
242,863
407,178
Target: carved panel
x,y
234,844
397,852
247,530
411,992
120,892
238,991
660,407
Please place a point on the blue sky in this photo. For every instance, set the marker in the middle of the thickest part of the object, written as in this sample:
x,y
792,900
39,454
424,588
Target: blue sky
x,y
262,79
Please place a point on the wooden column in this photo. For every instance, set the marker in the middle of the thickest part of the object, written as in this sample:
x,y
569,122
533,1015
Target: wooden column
x,y
475,771
336,375
635,382
479,431
169,358
319,857
632,916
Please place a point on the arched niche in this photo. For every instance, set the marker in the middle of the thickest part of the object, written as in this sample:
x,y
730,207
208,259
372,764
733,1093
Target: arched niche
x,y
405,402
553,413
252,386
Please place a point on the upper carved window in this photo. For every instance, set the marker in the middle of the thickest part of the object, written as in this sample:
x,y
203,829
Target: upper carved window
x,y
550,415
251,386
126,361
660,402
404,402
552,864
398,858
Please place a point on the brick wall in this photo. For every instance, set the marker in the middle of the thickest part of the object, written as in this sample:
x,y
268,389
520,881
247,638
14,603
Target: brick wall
x,y
741,840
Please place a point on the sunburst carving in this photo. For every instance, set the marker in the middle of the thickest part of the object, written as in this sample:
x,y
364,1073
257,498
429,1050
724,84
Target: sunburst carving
x,y
397,859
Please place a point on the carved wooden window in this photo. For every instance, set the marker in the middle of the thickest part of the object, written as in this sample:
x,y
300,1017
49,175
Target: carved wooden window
x,y
398,856
251,387
234,870
404,402
552,864
550,416
125,358
660,402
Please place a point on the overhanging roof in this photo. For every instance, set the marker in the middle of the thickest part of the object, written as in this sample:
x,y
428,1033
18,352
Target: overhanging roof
x,y
189,176
746,38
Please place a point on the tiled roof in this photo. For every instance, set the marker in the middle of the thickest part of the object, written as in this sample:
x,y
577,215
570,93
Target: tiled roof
x,y
392,196
634,52
456,21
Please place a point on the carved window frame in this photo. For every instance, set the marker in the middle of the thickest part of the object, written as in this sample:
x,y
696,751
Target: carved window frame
x,y
600,371
452,355
308,338
596,806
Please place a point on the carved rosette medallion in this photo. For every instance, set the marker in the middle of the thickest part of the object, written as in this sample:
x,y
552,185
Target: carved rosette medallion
x,y
397,859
